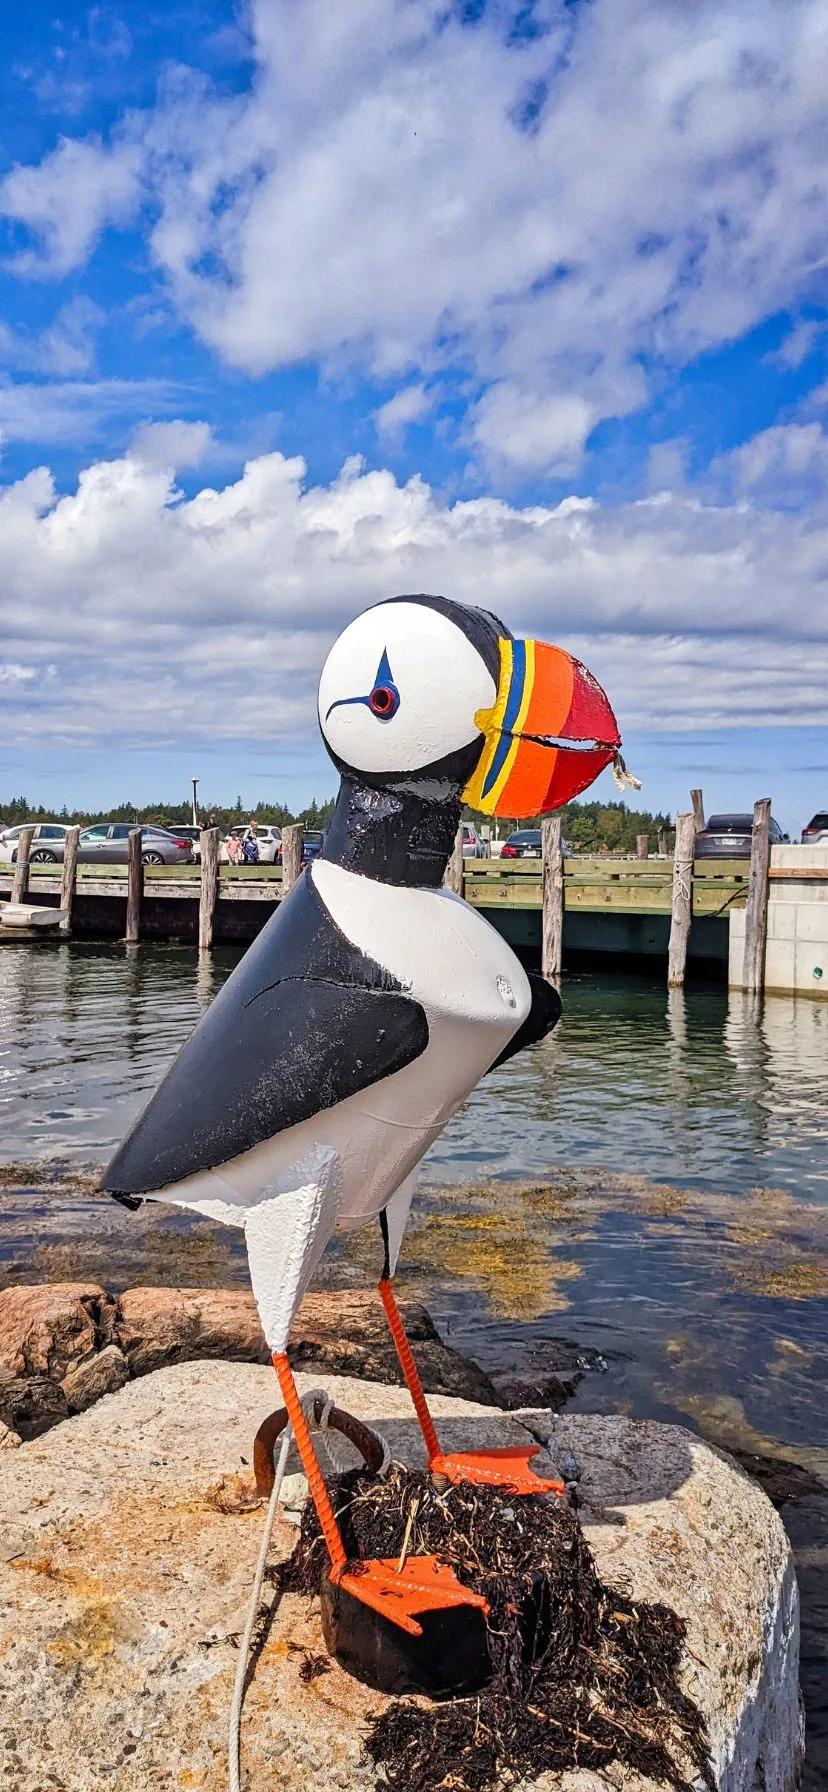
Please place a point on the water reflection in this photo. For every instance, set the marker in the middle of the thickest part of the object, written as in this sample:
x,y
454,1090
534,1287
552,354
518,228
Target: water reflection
x,y
686,1086
85,1035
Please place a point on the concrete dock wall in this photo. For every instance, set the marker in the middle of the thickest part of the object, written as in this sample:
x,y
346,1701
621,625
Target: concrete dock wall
x,y
797,947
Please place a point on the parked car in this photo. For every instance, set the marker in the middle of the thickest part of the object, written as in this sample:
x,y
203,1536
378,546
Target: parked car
x,y
816,833
48,837
269,838
312,846
108,844
473,846
186,831
729,837
525,843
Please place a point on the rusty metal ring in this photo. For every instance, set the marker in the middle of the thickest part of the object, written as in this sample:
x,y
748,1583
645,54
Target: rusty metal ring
x,y
366,1441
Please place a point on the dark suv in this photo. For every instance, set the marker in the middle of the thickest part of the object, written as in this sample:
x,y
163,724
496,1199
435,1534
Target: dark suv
x,y
729,837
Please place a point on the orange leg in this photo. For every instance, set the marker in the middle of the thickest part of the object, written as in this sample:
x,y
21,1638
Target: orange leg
x,y
507,1468
409,1369
316,1485
399,1590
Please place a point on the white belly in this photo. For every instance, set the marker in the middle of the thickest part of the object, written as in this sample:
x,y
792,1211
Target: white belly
x,y
475,995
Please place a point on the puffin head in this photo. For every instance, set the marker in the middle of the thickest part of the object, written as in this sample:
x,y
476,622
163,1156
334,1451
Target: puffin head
x,y
419,689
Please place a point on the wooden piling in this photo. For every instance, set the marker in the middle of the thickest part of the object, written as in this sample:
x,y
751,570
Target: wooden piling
x,y
552,897
210,840
642,846
453,876
135,888
756,911
697,799
293,840
20,883
662,843
682,904
69,877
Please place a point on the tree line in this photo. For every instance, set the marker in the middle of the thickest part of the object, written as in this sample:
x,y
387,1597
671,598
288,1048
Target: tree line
x,y
589,827
600,827
168,815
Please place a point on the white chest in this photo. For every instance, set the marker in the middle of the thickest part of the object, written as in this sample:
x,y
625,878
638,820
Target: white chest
x,y
442,952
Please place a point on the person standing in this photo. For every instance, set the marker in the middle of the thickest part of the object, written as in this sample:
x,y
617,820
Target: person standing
x,y
250,842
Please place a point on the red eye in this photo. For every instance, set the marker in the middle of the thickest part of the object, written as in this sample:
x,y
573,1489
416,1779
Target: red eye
x,y
383,701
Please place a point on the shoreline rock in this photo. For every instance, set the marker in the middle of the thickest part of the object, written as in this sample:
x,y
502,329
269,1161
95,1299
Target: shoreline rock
x,y
130,1535
64,1345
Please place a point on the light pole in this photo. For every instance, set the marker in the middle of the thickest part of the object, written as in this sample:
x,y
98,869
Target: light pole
x,y
195,802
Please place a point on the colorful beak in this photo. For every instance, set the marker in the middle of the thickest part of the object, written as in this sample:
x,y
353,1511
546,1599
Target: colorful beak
x,y
548,735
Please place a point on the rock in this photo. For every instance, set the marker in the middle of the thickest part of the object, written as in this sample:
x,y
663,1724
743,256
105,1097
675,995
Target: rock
x,y
47,1328
157,1326
785,1483
516,1391
346,1333
9,1440
131,1541
31,1404
99,1375
336,1332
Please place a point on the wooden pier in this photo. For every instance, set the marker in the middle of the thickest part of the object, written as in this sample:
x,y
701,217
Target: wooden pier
x,y
762,921
616,907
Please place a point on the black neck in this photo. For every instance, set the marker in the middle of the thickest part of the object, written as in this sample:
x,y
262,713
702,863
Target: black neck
x,y
400,834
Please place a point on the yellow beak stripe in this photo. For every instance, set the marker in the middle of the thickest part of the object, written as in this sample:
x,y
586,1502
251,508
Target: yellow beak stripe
x,y
501,726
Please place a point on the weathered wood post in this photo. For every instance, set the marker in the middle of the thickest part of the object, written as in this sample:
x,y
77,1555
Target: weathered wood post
x,y
552,913
20,881
135,888
453,875
697,800
642,846
293,840
682,906
756,912
210,841
662,843
69,877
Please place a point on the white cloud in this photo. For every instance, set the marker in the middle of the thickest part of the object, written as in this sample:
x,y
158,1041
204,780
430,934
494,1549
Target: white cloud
x,y
167,618
77,412
785,465
800,342
66,348
637,181
410,405
175,445
523,429
68,199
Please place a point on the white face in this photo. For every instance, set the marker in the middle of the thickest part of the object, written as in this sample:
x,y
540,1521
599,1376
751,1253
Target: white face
x,y
400,689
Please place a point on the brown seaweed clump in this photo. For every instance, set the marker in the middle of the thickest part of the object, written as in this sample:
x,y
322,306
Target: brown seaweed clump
x,y
582,1675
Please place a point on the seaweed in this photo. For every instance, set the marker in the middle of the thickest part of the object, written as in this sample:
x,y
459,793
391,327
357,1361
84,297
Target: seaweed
x,y
582,1675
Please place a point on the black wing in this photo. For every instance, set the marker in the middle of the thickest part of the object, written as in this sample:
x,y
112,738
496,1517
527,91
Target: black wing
x,y
304,1021
544,1014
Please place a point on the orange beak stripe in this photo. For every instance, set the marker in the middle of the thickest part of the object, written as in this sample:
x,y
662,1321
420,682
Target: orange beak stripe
x,y
545,699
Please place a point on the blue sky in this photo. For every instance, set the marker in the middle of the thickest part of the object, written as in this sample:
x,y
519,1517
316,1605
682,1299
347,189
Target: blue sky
x,y
300,306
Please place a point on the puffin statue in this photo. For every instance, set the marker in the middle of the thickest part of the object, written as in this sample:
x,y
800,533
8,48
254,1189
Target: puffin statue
x,y
374,999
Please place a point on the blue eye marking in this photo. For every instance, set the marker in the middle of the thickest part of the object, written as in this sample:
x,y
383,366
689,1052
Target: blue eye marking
x,y
383,699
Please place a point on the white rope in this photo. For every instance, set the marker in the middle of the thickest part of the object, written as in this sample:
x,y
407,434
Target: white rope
x,y
244,1646
335,1458
339,1467
622,779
